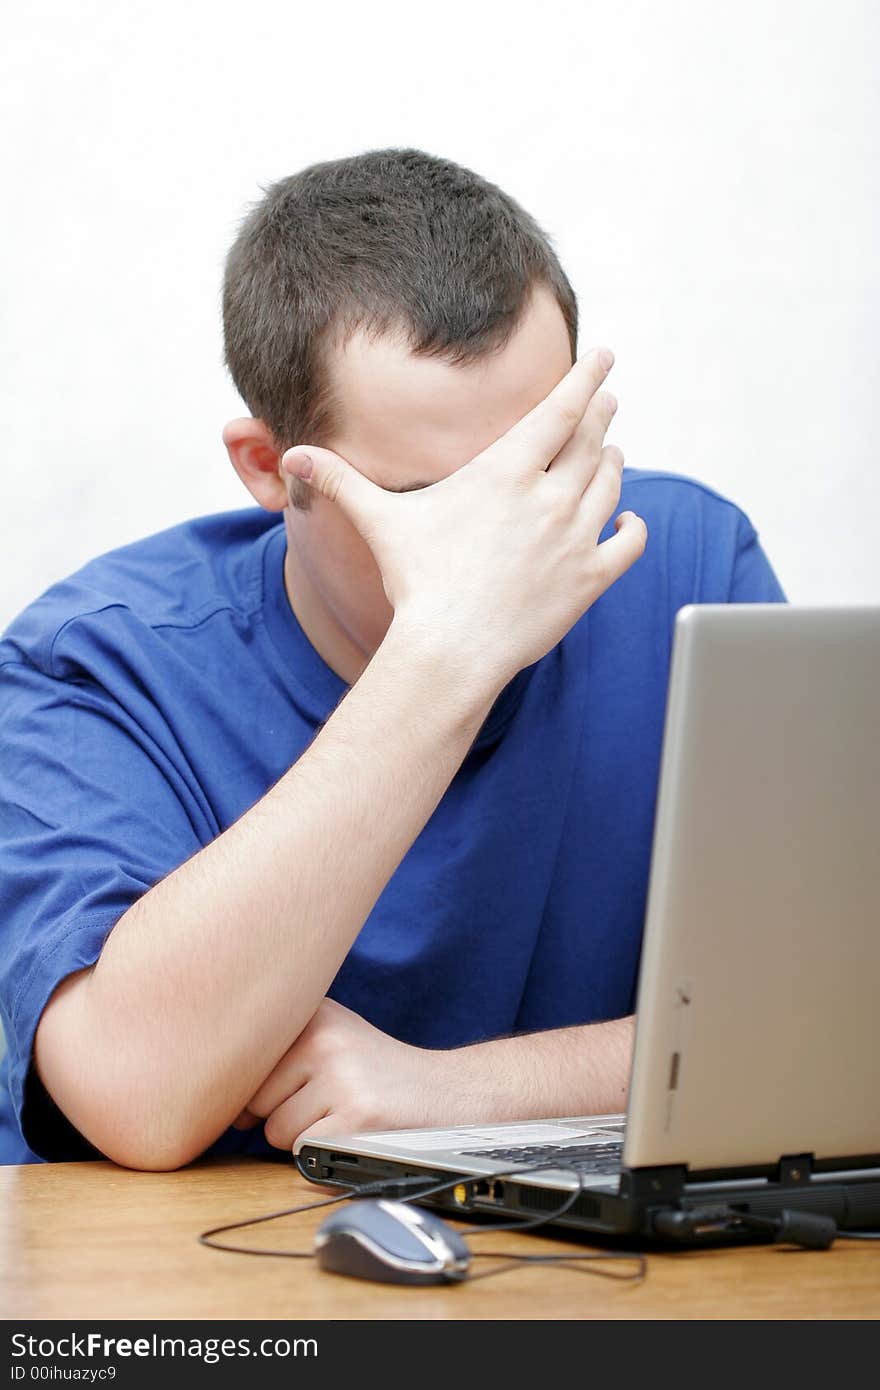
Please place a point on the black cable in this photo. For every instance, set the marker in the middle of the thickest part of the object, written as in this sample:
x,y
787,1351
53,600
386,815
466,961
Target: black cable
x,y
371,1190
388,1188
563,1261
558,1260
804,1229
393,1187
531,1222
809,1230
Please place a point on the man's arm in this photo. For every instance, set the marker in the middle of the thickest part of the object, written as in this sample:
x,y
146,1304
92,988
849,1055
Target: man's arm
x,y
205,981
342,1076
582,1070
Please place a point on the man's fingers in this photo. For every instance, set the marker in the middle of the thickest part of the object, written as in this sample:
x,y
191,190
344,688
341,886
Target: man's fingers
x,y
328,1124
335,478
538,437
296,1114
621,551
602,494
288,1076
578,459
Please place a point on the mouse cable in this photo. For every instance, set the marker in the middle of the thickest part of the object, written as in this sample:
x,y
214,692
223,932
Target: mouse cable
x,y
376,1189
568,1261
531,1224
563,1262
402,1189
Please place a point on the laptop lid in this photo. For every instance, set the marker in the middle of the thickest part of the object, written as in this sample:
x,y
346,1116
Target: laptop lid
x,y
757,1007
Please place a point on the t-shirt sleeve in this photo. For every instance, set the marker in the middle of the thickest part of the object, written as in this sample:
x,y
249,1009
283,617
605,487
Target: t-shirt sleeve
x,y
89,821
753,579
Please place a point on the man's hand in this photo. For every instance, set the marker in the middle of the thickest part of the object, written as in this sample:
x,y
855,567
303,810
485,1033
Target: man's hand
x,y
342,1075
499,559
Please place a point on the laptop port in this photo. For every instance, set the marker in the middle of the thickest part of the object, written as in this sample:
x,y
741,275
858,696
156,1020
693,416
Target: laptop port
x,y
489,1189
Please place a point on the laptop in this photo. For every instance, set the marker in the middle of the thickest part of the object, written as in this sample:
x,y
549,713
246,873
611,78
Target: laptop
x,y
755,1082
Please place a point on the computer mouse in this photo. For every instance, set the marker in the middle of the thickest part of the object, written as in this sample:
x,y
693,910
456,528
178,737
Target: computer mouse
x,y
372,1238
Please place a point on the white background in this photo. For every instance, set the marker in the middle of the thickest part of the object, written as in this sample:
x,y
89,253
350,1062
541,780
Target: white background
x,y
708,171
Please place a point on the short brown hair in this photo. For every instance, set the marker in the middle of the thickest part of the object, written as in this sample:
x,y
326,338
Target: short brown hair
x,y
389,241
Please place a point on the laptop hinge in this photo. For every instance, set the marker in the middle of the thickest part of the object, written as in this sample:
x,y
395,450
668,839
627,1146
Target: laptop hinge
x,y
794,1170
653,1183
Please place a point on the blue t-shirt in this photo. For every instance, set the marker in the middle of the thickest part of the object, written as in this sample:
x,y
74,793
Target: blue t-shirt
x,y
153,697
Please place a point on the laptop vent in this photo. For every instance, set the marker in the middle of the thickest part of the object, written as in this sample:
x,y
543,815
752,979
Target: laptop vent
x,y
546,1199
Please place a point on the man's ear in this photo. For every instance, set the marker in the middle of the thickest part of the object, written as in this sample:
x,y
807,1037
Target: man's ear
x,y
257,462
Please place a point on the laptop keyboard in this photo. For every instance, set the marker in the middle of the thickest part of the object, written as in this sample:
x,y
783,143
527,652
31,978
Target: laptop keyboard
x,y
582,1158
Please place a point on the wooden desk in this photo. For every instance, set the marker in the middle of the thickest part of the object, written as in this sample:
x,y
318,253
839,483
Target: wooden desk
x,y
79,1240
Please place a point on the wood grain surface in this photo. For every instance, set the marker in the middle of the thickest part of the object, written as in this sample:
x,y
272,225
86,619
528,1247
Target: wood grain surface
x,y
81,1240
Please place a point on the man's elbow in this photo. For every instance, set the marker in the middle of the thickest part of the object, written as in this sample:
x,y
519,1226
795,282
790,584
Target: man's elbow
x,y
123,1133
143,1155
137,1123
116,1102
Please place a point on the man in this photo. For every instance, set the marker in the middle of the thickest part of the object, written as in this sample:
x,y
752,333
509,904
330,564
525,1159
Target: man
x,y
344,821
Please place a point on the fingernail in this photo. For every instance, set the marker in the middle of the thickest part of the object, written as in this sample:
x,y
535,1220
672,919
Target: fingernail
x,y
300,464
606,359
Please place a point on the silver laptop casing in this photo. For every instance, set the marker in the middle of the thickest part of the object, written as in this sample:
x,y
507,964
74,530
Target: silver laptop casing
x,y
758,1031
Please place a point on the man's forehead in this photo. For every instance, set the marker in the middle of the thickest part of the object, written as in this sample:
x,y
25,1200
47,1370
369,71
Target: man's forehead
x,y
408,420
